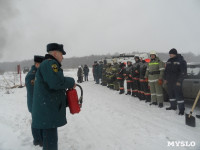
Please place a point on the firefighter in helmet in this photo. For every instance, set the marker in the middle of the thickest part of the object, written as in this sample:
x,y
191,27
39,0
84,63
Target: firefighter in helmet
x,y
154,75
144,88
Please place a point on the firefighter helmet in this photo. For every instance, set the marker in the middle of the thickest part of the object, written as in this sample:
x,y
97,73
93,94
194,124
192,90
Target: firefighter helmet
x,y
153,53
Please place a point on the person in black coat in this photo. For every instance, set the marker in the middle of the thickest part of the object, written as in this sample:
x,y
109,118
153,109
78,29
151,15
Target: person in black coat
x,y
80,74
96,72
86,72
175,72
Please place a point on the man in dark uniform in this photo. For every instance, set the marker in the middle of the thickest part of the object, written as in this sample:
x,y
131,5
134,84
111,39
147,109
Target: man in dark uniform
x,y
128,77
175,72
29,81
97,72
120,77
100,70
86,72
144,89
104,80
80,74
49,98
135,76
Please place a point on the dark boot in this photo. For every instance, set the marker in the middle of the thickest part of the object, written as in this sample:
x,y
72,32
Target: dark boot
x,y
121,92
128,93
198,116
112,87
147,101
154,103
37,143
133,94
160,105
171,108
181,111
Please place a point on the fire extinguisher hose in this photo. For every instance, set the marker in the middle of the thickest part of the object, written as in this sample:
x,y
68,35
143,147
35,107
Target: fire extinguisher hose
x,y
81,98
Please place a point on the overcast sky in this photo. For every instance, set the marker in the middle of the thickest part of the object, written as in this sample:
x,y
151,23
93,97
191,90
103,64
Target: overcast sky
x,y
88,27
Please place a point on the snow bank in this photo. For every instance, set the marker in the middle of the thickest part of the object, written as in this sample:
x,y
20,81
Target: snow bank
x,y
108,121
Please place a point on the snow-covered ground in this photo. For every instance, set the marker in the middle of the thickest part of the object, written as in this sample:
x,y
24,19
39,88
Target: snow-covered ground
x,y
107,121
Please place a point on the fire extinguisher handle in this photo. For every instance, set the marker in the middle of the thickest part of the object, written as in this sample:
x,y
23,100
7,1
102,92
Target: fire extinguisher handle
x,y
81,98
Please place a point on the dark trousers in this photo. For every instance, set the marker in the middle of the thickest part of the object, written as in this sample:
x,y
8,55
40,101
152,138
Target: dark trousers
x,y
37,135
175,95
135,88
86,77
147,91
144,88
141,91
50,139
121,85
97,79
129,86
79,79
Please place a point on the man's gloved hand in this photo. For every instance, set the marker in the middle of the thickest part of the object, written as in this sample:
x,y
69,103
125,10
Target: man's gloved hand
x,y
160,81
165,81
178,84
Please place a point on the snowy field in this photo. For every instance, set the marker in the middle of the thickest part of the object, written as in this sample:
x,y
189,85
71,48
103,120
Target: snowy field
x,y
108,121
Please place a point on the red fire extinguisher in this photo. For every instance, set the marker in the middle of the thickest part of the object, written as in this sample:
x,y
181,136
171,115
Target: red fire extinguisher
x,y
74,103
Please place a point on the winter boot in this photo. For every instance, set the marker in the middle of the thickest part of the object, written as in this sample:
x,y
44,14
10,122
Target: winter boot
x,y
133,94
112,87
171,108
198,116
160,105
37,143
147,101
181,111
121,92
128,93
153,103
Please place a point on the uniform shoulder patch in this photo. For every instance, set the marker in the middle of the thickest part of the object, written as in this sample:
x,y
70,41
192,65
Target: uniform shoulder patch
x,y
54,67
32,82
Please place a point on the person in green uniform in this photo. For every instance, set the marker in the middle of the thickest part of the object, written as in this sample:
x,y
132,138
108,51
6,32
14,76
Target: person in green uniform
x,y
115,69
29,81
104,81
154,74
49,97
109,76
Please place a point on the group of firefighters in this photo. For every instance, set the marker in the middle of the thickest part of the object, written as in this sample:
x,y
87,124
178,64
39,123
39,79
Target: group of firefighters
x,y
146,78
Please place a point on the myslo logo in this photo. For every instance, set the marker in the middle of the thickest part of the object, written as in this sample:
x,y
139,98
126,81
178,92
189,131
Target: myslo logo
x,y
181,144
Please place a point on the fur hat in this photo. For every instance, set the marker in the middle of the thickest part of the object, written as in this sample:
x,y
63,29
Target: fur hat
x,y
38,58
55,47
173,51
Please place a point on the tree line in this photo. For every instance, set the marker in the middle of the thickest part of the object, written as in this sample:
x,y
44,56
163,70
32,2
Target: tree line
x,y
74,62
